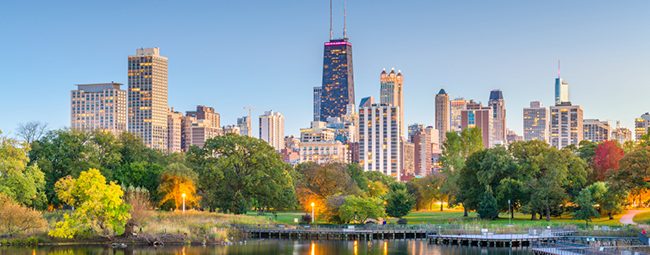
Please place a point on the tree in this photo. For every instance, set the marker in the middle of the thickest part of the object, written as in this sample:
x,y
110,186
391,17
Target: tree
x,y
31,131
587,150
606,159
427,190
586,209
358,209
488,208
633,172
176,180
22,182
17,219
98,206
241,172
140,174
399,203
316,183
456,149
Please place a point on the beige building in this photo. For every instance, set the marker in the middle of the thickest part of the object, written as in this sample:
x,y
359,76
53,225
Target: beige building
x,y
456,107
479,116
323,152
421,137
244,124
595,130
318,132
566,125
442,117
392,92
186,132
621,134
100,106
174,131
536,122
147,97
408,159
272,129
231,129
379,138
641,125
498,105
200,125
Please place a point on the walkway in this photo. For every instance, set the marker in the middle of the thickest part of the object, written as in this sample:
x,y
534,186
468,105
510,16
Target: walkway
x,y
628,217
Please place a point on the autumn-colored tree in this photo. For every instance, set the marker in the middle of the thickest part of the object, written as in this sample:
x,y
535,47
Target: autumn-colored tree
x,y
175,181
17,219
606,158
98,206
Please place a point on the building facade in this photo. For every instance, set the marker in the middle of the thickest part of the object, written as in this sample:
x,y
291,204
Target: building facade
x,y
566,125
244,124
272,129
317,95
174,131
147,97
477,116
595,130
498,105
456,107
338,79
442,117
99,106
621,134
422,148
536,124
641,125
379,139
391,92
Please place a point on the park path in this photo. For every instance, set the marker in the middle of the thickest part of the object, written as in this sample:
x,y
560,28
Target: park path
x,y
628,217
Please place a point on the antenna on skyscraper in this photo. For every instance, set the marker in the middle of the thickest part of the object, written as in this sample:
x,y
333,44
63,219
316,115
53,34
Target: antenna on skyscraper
x,y
558,68
331,31
345,17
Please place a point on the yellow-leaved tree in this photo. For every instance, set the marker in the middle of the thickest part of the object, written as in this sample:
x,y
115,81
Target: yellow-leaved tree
x,y
98,207
176,180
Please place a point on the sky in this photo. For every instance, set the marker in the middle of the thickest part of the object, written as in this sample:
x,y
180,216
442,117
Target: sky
x,y
268,54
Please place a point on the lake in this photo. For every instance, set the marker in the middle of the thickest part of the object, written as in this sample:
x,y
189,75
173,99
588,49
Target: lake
x,y
274,247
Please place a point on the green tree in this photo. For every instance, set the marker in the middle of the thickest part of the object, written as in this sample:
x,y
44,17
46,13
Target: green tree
x,y
240,172
140,174
586,209
177,181
22,182
325,186
98,206
358,209
634,169
456,149
488,208
399,203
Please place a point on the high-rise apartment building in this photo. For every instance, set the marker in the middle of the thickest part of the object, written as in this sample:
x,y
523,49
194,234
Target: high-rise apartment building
x,y
423,155
391,92
318,132
272,129
641,125
442,115
456,107
317,95
186,132
174,131
595,130
244,124
99,106
566,125
478,116
379,139
621,134
408,159
536,125
512,137
147,97
498,105
200,125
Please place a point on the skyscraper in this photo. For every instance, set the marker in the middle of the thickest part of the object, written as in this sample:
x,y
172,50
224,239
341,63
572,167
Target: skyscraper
x,y
561,89
391,92
478,116
147,97
205,124
536,122
442,115
595,130
272,129
99,106
244,124
641,125
317,94
498,105
379,139
338,79
174,131
421,139
457,106
566,125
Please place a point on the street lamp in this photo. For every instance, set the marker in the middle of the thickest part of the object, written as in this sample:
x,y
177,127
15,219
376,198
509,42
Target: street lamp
x,y
183,195
312,212
510,209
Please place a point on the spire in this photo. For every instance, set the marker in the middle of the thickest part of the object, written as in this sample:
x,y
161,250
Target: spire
x,y
345,17
331,31
558,68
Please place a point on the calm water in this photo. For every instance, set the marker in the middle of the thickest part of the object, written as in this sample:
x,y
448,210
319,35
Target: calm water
x,y
276,247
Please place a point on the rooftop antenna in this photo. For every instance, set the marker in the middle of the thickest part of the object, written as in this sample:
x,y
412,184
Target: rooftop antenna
x,y
558,68
345,16
331,31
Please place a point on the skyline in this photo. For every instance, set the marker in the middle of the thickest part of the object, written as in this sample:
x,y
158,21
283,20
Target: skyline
x,y
592,70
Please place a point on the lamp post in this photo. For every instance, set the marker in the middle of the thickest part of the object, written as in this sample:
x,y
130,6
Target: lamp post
x,y
312,212
510,209
183,195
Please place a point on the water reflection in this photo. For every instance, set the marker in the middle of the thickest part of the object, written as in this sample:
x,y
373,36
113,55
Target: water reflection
x,y
274,247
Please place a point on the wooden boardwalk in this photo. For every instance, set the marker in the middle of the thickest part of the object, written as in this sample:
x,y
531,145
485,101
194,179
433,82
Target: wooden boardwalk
x,y
337,233
494,240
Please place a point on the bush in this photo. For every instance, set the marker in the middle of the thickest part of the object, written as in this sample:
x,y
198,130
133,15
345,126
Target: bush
x,y
16,219
305,219
487,208
402,221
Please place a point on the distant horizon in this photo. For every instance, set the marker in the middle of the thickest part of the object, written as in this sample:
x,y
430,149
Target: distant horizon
x,y
269,55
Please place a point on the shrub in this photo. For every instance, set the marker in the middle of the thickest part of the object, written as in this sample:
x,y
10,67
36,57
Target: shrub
x,y
16,219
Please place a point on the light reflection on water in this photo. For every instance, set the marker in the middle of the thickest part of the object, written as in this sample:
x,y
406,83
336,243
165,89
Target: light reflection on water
x,y
274,247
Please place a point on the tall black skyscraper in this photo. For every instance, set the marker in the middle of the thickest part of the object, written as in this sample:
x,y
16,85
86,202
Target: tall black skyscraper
x,y
338,79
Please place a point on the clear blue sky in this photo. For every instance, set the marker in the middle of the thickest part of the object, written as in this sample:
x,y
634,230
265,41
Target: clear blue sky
x,y
268,54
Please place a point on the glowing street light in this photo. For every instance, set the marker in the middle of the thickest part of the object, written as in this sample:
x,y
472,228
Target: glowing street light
x,y
312,212
183,195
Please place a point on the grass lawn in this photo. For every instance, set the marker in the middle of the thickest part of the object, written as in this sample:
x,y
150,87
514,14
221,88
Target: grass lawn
x,y
456,217
642,218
